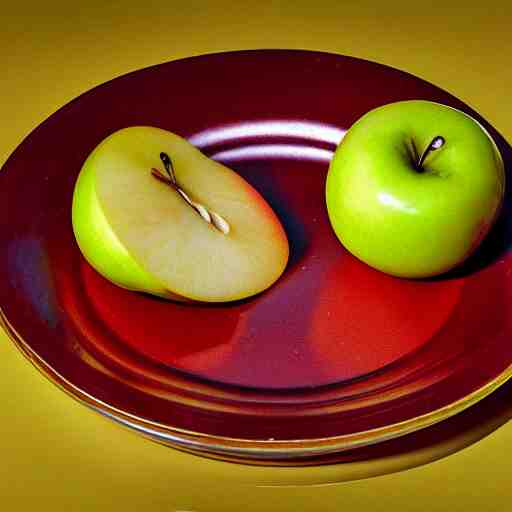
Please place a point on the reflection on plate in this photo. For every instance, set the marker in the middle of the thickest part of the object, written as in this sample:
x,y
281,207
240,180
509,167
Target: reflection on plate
x,y
334,357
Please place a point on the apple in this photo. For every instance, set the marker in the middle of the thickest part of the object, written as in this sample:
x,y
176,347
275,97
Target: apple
x,y
414,187
152,213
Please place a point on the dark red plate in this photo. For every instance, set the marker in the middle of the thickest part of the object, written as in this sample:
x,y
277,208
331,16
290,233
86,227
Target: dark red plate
x,y
333,357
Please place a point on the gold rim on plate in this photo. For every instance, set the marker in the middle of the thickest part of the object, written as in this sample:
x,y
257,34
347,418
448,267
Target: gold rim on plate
x,y
264,452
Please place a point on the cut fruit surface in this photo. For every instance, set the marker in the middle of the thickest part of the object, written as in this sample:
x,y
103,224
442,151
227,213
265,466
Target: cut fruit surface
x,y
148,238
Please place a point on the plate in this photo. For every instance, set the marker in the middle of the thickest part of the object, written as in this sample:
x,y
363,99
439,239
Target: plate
x,y
334,357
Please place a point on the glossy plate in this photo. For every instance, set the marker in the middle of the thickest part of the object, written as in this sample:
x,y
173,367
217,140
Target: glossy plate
x,y
334,357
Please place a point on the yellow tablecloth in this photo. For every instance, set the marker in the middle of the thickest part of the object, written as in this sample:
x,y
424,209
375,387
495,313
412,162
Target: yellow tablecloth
x,y
58,455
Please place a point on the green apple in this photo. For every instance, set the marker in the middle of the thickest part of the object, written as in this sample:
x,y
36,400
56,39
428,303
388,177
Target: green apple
x,y
152,213
414,187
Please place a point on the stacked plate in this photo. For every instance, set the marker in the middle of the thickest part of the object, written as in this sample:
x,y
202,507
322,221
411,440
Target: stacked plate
x,y
331,363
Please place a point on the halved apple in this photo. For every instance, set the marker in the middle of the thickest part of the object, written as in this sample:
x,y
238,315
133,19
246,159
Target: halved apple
x,y
152,213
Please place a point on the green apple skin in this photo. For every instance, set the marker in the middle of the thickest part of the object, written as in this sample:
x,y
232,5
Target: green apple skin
x,y
100,245
411,222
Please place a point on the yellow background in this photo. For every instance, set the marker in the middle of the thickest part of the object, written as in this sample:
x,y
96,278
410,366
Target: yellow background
x,y
57,455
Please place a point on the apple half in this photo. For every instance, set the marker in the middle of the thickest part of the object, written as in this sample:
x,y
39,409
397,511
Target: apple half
x,y
152,213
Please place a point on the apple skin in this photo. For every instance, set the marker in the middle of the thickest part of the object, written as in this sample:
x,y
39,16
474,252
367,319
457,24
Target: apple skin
x,y
404,221
101,246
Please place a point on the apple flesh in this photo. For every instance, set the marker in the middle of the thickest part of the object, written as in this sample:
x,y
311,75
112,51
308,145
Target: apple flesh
x,y
407,219
142,234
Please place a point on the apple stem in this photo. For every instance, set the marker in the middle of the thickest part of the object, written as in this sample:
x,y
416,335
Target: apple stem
x,y
436,143
166,160
210,217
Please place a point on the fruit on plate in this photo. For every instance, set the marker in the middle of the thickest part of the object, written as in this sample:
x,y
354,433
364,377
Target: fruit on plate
x,y
414,187
152,213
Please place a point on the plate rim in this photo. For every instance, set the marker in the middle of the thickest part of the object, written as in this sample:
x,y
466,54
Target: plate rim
x,y
230,448
264,452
